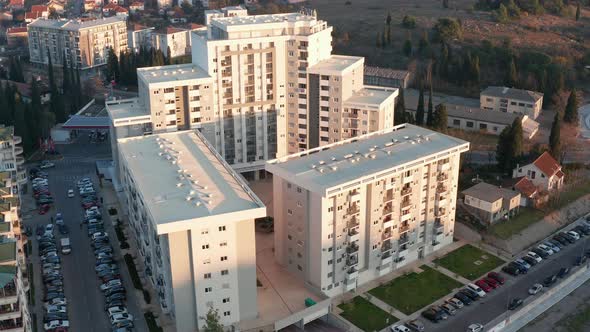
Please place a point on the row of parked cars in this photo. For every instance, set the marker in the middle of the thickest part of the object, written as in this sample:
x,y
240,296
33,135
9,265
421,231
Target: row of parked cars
x,y
55,306
41,192
106,269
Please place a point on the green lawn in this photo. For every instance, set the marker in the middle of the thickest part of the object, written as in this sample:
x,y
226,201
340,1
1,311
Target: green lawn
x,y
526,217
462,261
365,315
413,291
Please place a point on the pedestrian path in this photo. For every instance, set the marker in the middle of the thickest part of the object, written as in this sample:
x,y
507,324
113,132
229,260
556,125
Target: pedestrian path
x,y
384,306
448,273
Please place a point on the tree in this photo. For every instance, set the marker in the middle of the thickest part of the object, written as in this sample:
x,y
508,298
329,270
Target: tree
x,y
400,109
445,4
20,126
554,137
15,70
388,19
440,121
443,60
212,321
168,59
474,70
113,72
408,47
501,15
430,114
510,147
447,29
409,22
388,34
35,116
420,107
423,44
503,148
56,104
512,75
571,109
516,134
378,41
578,12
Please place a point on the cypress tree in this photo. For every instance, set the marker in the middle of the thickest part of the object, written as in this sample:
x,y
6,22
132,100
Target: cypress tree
x,y
400,109
440,121
20,126
420,107
578,12
503,149
430,114
34,121
554,137
512,74
516,135
571,109
57,106
408,47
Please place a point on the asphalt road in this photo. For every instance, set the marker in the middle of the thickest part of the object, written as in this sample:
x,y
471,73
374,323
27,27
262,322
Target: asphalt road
x,y
85,300
496,302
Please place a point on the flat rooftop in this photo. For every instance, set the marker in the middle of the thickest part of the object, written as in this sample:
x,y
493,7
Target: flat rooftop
x,y
489,193
372,96
351,160
125,109
182,179
336,64
262,19
172,73
73,25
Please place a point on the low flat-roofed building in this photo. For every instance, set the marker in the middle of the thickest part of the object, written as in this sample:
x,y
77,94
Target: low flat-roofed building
x,y
387,77
490,203
193,218
349,212
490,122
511,100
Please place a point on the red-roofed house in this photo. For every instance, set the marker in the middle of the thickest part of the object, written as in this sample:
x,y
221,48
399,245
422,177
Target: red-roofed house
x,y
120,11
37,11
56,5
16,4
136,7
545,173
39,8
17,37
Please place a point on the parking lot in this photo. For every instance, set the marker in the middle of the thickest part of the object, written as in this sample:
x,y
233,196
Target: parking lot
x,y
496,302
81,285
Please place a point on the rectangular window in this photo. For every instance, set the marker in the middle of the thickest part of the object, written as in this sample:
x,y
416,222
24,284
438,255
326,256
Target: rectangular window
x,y
207,275
225,300
224,272
226,313
223,244
208,289
223,258
222,228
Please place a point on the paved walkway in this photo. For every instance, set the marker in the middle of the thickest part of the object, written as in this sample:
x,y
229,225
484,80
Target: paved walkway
x,y
448,273
384,306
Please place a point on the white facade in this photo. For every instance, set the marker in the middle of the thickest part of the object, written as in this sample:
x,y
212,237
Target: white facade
x,y
193,219
178,40
545,173
512,100
352,211
139,37
12,155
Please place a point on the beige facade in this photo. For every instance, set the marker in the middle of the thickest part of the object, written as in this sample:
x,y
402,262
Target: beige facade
x,y
85,44
490,203
350,212
512,100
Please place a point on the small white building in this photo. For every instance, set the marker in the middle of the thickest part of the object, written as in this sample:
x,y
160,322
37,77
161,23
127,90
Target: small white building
x,y
545,173
490,203
510,100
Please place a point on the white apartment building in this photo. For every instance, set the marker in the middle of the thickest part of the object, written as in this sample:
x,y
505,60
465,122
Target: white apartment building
x,y
229,11
193,220
501,98
349,212
84,43
139,36
12,159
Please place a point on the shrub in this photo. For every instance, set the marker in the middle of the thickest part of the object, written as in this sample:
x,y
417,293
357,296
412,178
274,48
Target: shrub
x,y
133,272
151,322
409,22
124,245
447,29
112,211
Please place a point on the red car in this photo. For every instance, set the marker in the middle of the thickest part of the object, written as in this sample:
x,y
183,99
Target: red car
x,y
89,205
497,276
492,282
484,285
44,208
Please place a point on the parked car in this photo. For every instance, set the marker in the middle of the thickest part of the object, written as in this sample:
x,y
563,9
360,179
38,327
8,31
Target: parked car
x,y
563,272
492,282
116,310
534,256
432,315
455,302
573,234
521,268
469,293
542,253
400,328
449,309
535,289
46,164
483,285
112,283
71,193
475,327
476,289
553,246
466,300
511,270
531,261
416,325
522,262
56,324
580,260
568,237
550,280
546,249
515,303
498,277
441,312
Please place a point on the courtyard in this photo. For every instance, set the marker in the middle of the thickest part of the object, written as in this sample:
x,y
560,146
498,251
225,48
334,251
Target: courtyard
x,y
366,315
469,262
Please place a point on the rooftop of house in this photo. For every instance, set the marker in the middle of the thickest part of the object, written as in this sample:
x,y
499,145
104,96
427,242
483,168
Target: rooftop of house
x,y
5,227
182,179
386,72
74,25
173,74
524,186
548,165
350,161
7,273
336,65
371,95
489,193
512,93
17,30
39,8
478,114
126,109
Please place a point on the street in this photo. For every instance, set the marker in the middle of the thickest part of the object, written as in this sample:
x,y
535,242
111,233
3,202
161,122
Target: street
x,y
496,302
81,285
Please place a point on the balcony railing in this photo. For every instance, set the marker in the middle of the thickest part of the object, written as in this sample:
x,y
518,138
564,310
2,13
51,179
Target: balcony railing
x,y
351,249
439,228
352,261
404,228
353,223
442,177
386,235
386,246
441,189
17,139
403,240
406,203
353,210
406,191
387,197
18,150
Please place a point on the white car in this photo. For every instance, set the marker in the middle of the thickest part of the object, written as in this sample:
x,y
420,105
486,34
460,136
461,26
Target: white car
x,y
546,249
70,193
455,302
56,301
475,328
56,309
117,310
534,256
575,235
400,328
55,324
116,318
476,289
49,229
535,289
112,283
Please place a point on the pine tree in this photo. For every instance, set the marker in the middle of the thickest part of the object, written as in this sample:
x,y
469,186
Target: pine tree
x,y
475,70
113,72
212,321
578,12
443,61
168,56
503,149
384,38
423,44
388,19
554,137
512,75
400,109
571,109
445,4
420,107
388,34
408,47
516,135
440,121
4,109
430,114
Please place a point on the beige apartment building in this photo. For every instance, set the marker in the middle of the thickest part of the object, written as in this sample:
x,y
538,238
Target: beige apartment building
x,y
12,160
503,99
85,44
351,211
193,219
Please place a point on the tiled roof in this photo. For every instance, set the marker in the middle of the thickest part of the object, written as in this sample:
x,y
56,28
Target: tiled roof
x,y
559,174
547,164
386,72
525,187
39,8
16,30
33,15
511,93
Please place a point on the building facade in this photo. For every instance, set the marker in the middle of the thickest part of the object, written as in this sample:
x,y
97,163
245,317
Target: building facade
x,y
12,156
490,203
352,211
85,44
503,99
193,220
544,172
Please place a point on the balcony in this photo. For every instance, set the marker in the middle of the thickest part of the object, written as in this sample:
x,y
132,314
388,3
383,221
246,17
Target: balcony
x,y
406,217
386,235
353,235
444,167
10,312
406,203
403,240
389,185
353,223
353,210
387,197
12,326
441,189
387,222
440,212
352,261
406,191
20,160
407,179
387,210
404,228
8,294
17,139
352,274
441,202
352,249
354,197
386,246
439,228
442,177
386,259
18,150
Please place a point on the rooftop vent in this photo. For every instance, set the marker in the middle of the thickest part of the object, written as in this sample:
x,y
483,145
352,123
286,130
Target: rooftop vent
x,y
388,144
334,168
179,184
348,156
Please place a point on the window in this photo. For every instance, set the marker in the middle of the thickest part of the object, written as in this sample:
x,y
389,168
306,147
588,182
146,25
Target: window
x,y
204,231
456,122
226,313
298,190
222,228
225,300
223,244
330,262
208,289
223,258
483,126
205,246
290,212
224,272
330,274
207,276
206,261
470,124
